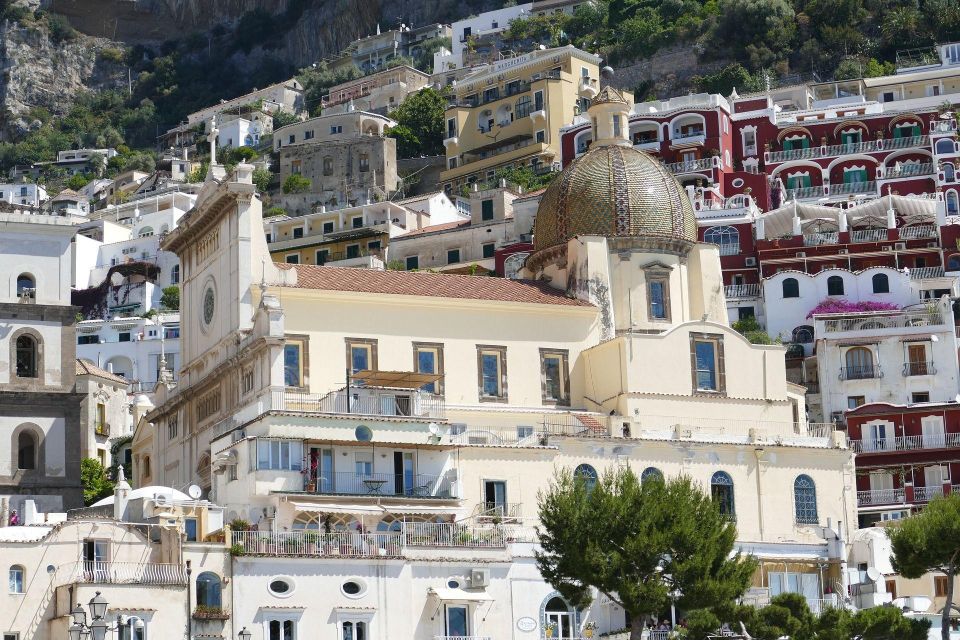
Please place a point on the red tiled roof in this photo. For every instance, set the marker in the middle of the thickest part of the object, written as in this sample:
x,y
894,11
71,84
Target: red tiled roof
x,y
436,285
86,367
434,228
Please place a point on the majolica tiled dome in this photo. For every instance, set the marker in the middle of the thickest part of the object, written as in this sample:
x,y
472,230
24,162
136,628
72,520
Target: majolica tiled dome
x,y
614,190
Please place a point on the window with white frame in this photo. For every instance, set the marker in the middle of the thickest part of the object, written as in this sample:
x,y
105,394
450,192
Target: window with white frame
x,y
279,455
353,624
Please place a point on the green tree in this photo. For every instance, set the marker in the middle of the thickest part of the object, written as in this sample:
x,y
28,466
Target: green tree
x,y
640,544
78,181
170,298
296,183
242,154
273,212
752,331
282,119
733,76
94,480
930,541
421,116
262,178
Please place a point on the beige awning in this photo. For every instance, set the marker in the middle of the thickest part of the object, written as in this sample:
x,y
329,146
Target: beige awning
x,y
398,379
331,507
414,510
447,594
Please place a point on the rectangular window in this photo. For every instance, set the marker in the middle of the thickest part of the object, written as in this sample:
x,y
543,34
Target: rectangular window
x,y
328,227
492,373
617,127
279,455
123,337
353,251
489,249
453,256
322,256
298,232
412,263
939,586
246,380
457,621
295,362
361,354
88,339
920,396
296,167
282,630
428,358
190,529
292,258
486,210
373,245
16,579
855,401
357,222
451,127
538,101
541,136
658,294
706,360
554,376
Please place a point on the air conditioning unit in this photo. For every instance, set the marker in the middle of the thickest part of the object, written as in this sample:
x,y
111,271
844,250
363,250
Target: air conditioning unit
x,y
479,578
900,246
750,262
536,76
888,248
843,251
932,245
801,254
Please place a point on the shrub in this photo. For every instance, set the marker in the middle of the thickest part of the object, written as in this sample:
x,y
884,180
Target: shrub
x,y
295,183
113,54
839,305
170,298
273,212
60,29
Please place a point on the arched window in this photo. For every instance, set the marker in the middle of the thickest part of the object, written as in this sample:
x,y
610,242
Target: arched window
x,y
802,334
651,473
834,286
727,237
587,474
945,145
949,172
16,578
26,451
208,590
26,357
859,363
146,466
559,615
881,283
805,499
953,262
26,286
145,232
953,203
721,489
791,288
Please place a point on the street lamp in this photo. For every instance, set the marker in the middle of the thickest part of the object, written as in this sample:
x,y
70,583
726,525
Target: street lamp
x,y
245,634
98,627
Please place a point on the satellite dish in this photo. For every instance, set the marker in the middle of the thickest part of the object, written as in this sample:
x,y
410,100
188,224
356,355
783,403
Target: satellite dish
x,y
116,279
434,429
194,492
873,574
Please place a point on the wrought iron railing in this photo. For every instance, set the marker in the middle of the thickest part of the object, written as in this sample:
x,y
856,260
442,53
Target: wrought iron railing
x,y
861,372
879,497
907,443
919,369
417,485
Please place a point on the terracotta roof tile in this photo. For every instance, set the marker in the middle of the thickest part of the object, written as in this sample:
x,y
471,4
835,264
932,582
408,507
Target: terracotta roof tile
x,y
435,228
87,368
437,285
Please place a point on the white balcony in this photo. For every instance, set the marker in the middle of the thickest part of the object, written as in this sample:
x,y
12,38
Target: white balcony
x,y
139,573
691,166
918,231
817,239
907,443
734,291
868,235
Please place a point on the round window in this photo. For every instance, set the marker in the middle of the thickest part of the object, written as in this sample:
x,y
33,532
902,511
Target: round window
x,y
280,587
209,305
354,588
453,583
364,434
736,183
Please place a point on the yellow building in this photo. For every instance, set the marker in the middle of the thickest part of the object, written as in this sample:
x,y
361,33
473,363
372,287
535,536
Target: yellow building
x,y
510,113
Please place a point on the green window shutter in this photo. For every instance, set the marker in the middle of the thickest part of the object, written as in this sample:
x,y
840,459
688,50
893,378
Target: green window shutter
x,y
805,143
806,181
788,145
897,132
915,131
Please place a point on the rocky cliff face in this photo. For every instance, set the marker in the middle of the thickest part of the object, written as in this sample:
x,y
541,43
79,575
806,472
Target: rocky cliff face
x,y
37,72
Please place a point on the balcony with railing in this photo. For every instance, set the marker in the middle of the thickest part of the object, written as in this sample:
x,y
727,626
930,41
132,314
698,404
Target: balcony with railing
x,y
690,166
926,494
829,151
910,170
805,193
413,485
366,401
487,512
690,136
820,238
922,273
907,443
861,372
879,321
918,231
138,573
101,429
850,188
868,235
875,497
742,291
919,369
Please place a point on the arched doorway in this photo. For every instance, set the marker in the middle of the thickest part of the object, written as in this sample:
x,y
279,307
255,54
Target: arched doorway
x,y
558,615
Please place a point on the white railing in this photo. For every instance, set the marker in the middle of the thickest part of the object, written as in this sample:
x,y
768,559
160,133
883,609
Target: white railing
x,y
918,231
314,543
804,193
880,496
452,535
824,237
688,166
819,605
874,321
870,146
729,249
742,291
907,443
868,235
145,573
919,273
867,186
369,401
462,638
908,171
926,494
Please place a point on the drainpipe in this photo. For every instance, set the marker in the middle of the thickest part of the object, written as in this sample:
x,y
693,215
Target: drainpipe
x,y
758,452
189,598
348,390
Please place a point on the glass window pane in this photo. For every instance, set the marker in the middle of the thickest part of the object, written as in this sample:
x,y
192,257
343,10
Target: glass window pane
x,y
706,366
263,454
284,455
456,621
491,374
657,307
291,365
359,358
552,377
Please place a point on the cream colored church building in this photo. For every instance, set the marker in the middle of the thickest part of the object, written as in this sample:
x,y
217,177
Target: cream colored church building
x,y
388,432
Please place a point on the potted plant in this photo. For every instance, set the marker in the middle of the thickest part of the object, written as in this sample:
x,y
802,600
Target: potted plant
x,y
237,550
239,524
206,612
550,629
589,628
310,539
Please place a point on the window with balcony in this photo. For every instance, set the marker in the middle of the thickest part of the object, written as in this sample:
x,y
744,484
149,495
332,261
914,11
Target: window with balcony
x,y
798,181
726,237
492,372
796,142
707,363
881,283
853,175
523,107
835,286
554,376
361,354
428,358
495,496
279,455
456,620
805,500
790,288
907,130
851,137
859,363
721,490
953,203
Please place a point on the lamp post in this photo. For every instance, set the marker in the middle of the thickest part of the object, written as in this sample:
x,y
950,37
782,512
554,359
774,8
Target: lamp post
x,y
98,627
244,634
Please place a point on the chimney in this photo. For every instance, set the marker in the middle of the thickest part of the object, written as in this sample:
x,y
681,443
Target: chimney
x,y
121,496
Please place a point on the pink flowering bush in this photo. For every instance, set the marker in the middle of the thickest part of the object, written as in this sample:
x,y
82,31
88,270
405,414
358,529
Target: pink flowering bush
x,y
839,305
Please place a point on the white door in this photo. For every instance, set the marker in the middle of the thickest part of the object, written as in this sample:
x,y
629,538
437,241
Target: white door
x,y
564,625
933,480
877,437
932,432
881,487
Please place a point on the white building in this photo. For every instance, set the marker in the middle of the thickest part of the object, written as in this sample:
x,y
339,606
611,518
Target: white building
x,y
27,193
104,412
132,347
485,24
895,357
236,132
77,161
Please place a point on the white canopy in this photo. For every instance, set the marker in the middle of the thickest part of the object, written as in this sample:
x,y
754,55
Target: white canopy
x,y
447,594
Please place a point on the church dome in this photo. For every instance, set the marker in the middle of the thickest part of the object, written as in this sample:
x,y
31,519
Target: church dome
x,y
614,190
